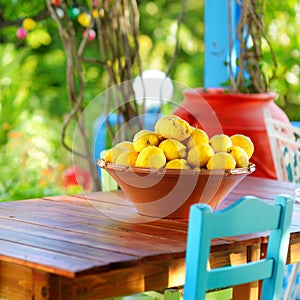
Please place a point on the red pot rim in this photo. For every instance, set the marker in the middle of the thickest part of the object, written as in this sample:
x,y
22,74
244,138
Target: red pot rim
x,y
225,93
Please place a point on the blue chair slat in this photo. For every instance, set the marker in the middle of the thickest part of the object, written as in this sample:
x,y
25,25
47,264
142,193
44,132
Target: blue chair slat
x,y
227,275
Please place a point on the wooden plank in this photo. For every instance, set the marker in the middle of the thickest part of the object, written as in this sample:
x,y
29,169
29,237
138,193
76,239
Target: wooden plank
x,y
85,212
22,283
99,200
44,260
162,224
149,276
262,184
107,242
104,231
61,246
115,197
233,256
66,258
65,216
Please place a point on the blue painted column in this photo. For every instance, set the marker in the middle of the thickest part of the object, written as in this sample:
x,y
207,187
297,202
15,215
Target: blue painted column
x,y
216,39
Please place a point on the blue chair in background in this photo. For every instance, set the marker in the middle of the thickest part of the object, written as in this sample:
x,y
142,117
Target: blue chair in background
x,y
246,216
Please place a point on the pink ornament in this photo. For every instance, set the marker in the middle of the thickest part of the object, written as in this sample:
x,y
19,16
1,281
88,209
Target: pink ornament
x,y
21,33
91,34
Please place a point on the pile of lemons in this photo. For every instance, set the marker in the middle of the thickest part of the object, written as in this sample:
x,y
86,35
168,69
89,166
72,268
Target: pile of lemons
x,y
175,144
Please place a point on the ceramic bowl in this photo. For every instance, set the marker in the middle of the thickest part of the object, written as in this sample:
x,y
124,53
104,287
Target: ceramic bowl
x,y
169,193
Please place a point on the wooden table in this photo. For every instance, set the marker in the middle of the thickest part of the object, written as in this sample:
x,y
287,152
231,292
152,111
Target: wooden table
x,y
93,246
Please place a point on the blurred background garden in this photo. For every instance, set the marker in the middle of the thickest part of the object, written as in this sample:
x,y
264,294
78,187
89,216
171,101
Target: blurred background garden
x,y
34,100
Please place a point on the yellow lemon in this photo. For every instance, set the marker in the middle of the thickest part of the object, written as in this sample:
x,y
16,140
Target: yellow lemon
x,y
240,156
197,136
177,163
147,139
127,158
221,161
140,133
126,145
220,142
244,142
112,154
107,156
173,149
151,157
173,127
199,155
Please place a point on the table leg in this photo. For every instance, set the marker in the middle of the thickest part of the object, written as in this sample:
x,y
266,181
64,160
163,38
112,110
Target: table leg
x,y
249,291
21,282
45,286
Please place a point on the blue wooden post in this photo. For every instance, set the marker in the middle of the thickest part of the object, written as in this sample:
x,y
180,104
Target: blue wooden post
x,y
216,39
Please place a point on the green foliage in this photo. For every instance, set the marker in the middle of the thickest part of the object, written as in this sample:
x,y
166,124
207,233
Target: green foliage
x,y
31,161
158,29
31,157
282,22
14,88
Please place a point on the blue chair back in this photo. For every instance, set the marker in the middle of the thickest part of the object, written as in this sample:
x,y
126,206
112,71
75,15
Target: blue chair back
x,y
247,216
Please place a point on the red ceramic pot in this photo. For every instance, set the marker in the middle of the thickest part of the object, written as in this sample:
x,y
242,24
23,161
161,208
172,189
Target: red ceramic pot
x,y
216,111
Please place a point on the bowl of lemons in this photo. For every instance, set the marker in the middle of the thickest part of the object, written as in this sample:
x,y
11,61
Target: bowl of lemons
x,y
163,172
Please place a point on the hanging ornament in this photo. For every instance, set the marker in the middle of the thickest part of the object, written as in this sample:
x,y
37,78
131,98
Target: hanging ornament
x,y
84,19
95,13
21,33
101,12
28,24
91,34
55,2
73,12
60,12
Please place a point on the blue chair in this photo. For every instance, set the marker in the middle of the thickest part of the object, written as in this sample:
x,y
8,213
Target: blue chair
x,y
246,216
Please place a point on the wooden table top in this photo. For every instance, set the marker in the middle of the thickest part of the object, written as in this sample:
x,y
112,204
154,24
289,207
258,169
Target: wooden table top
x,y
100,233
